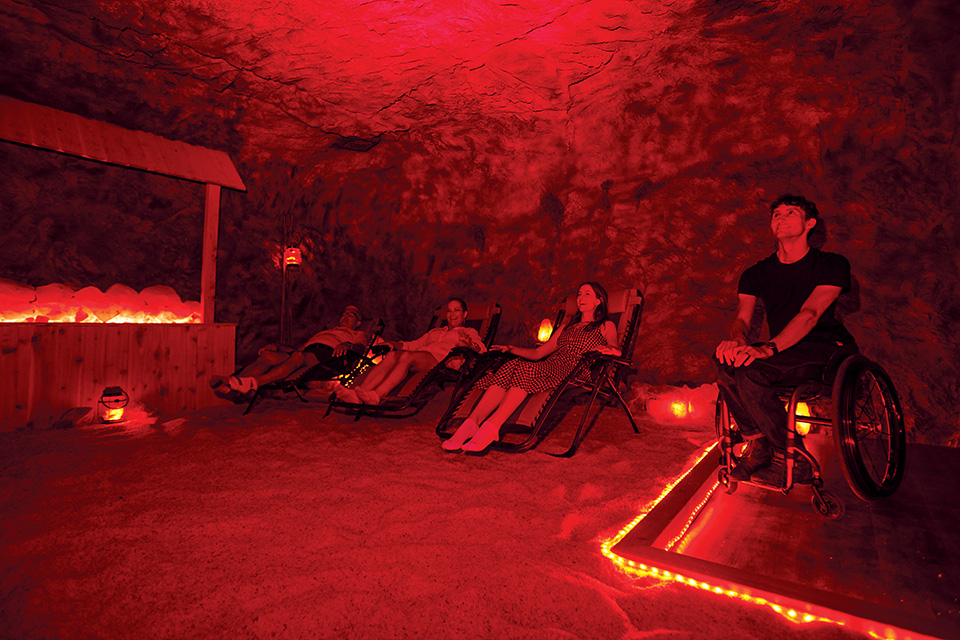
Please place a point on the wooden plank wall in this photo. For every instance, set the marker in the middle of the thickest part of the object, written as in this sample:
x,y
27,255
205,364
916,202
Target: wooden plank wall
x,y
48,369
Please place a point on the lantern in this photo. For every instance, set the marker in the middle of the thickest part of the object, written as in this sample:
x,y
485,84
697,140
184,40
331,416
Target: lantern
x,y
111,405
292,257
545,330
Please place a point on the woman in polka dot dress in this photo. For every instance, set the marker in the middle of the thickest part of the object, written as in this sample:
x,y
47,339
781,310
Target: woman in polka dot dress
x,y
537,370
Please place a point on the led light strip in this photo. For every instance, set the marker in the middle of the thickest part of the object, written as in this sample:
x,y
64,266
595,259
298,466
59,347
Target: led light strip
x,y
693,516
644,570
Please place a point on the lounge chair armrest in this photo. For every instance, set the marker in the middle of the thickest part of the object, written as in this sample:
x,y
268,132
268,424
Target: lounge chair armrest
x,y
379,350
465,352
596,355
619,360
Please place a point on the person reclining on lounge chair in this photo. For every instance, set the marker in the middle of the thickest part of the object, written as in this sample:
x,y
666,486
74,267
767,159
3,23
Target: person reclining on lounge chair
x,y
276,362
537,370
421,354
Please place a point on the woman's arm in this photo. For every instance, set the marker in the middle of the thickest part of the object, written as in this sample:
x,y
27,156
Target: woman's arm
x,y
536,353
612,348
419,344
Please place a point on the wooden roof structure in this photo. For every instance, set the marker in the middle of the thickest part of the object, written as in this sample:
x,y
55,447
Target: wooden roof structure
x,y
54,130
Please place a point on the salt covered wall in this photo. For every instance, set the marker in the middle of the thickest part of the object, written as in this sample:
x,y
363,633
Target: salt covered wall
x,y
509,152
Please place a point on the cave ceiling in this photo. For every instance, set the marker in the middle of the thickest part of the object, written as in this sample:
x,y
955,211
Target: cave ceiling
x,y
291,77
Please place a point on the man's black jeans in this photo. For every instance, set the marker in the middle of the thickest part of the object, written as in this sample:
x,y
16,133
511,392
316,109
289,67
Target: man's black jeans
x,y
750,392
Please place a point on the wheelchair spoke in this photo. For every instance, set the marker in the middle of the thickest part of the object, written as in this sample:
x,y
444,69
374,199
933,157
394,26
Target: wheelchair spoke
x,y
874,436
869,428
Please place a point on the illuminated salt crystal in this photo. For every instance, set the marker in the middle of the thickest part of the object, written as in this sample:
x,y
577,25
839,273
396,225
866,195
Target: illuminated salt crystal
x,y
119,304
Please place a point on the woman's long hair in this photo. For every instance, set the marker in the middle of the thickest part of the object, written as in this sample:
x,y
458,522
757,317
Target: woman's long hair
x,y
600,315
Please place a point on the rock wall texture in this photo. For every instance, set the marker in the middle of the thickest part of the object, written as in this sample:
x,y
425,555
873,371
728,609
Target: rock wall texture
x,y
508,151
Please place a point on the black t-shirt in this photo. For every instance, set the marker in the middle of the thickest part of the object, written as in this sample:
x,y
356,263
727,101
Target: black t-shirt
x,y
783,288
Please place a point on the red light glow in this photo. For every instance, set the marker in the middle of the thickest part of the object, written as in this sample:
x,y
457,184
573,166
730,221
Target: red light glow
x,y
113,415
58,303
292,257
672,406
681,409
545,330
803,428
795,611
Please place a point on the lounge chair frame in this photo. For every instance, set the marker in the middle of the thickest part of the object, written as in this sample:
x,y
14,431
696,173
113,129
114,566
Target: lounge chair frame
x,y
599,375
321,371
483,317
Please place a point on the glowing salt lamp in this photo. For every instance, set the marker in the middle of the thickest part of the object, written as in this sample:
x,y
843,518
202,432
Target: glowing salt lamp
x,y
803,428
292,257
681,408
676,404
111,404
545,330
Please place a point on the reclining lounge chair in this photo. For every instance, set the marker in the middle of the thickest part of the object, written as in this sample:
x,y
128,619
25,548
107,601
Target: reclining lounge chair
x,y
344,369
596,375
459,367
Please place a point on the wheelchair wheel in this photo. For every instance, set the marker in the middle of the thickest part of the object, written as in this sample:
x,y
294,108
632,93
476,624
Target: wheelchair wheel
x,y
868,428
723,477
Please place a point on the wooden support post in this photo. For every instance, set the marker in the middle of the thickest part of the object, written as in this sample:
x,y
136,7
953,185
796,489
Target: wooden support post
x,y
208,268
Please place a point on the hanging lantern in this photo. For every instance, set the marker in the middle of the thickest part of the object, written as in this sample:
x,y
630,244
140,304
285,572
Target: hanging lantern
x,y
545,330
292,257
111,405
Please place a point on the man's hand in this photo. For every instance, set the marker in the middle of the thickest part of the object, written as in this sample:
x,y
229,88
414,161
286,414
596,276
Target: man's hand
x,y
463,338
749,353
728,350
342,349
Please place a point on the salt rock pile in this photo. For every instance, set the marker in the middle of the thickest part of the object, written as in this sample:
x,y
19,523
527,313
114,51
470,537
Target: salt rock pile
x,y
61,303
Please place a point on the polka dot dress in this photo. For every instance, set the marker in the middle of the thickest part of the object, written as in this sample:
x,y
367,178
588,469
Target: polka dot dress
x,y
541,375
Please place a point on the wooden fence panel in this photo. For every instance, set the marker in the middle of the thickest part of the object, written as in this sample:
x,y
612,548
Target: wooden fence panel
x,y
47,370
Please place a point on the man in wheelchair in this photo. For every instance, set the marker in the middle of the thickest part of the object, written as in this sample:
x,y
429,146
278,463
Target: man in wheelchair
x,y
798,286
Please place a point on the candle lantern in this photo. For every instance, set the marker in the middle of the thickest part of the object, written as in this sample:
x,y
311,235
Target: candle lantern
x,y
545,330
112,403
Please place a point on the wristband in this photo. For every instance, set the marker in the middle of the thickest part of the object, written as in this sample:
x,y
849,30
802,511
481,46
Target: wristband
x,y
771,344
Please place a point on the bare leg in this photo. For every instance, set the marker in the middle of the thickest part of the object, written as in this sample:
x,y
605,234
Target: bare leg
x,y
269,357
489,401
284,369
490,430
388,378
380,371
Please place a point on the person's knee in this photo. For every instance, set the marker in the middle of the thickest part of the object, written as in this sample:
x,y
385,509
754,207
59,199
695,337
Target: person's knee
x,y
756,376
391,357
273,358
296,358
405,358
725,372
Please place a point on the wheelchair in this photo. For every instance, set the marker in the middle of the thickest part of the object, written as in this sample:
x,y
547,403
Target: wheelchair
x,y
866,418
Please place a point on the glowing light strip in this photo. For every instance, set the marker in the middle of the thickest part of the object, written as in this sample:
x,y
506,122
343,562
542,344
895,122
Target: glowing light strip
x,y
693,516
644,570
